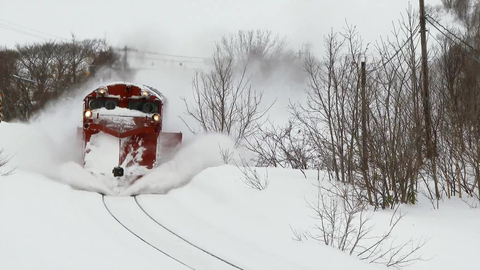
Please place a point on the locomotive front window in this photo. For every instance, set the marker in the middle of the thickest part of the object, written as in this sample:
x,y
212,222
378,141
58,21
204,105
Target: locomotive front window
x,y
97,103
146,107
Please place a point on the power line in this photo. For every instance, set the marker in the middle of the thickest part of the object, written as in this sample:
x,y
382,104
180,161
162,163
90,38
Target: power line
x,y
441,32
28,32
428,17
25,32
31,29
20,31
166,59
430,34
171,55
162,54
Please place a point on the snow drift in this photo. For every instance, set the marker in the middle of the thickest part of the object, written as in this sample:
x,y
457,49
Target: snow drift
x,y
203,152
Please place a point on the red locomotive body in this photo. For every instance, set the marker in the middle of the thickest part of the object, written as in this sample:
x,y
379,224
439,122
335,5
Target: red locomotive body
x,y
133,115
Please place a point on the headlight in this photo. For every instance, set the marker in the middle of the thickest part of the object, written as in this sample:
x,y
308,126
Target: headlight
x,y
156,117
87,114
102,91
144,93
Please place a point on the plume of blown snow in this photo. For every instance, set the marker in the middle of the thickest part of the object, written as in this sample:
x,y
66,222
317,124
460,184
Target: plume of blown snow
x,y
204,151
27,148
77,177
49,140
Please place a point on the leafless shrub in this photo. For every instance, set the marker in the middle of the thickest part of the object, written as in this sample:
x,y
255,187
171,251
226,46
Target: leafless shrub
x,y
345,223
251,177
300,235
227,155
399,256
286,147
336,209
427,190
472,203
4,161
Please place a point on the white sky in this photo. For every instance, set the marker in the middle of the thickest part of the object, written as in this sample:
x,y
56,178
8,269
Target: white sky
x,y
190,27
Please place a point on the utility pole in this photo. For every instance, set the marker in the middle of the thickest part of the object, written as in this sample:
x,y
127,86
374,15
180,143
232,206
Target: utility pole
x,y
364,132
426,102
431,151
125,58
74,64
1,99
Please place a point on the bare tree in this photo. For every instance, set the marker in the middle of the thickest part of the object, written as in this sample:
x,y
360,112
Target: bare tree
x,y
331,116
454,88
352,114
261,48
395,119
8,59
224,100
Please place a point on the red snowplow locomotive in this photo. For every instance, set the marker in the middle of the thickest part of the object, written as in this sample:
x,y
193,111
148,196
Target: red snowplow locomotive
x,y
132,115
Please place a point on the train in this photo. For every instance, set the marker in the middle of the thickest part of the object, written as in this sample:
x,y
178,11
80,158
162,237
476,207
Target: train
x,y
130,116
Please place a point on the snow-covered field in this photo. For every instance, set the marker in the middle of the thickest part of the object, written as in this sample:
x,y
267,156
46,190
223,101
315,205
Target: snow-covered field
x,y
45,224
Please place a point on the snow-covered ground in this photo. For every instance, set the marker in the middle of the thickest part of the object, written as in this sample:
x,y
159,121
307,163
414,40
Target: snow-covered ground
x,y
45,224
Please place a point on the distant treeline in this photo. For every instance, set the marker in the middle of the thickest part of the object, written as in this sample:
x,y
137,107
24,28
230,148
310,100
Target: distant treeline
x,y
32,74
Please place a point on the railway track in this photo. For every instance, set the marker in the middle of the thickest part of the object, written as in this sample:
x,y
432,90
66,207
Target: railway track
x,y
162,230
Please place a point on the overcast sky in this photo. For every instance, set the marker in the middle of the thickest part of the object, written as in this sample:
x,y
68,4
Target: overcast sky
x,y
190,27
